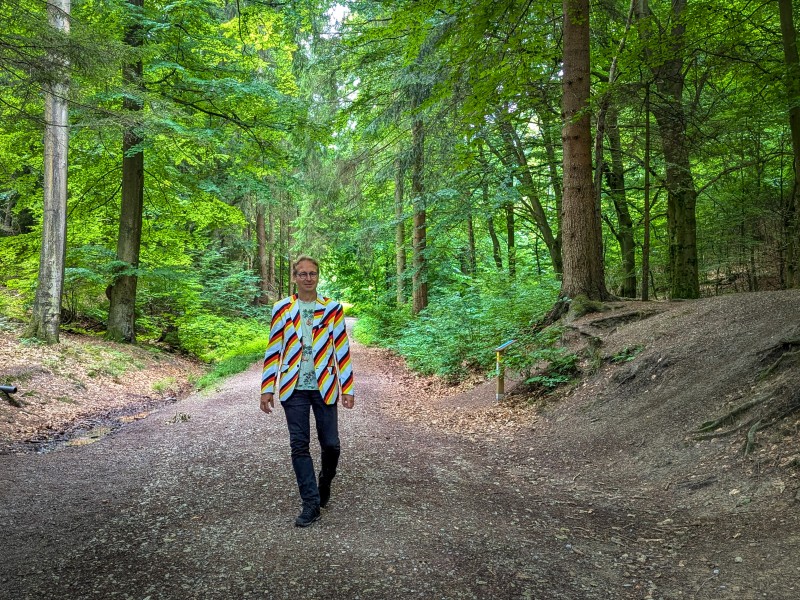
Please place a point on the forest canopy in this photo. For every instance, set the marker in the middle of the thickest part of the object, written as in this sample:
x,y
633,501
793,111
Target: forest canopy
x,y
456,166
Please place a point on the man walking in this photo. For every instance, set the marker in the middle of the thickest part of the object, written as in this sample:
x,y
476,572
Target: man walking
x,y
307,364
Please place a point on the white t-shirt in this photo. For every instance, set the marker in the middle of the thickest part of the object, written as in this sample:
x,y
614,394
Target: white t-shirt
x,y
307,379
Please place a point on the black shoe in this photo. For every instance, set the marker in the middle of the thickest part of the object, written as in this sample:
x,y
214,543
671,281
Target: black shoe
x,y
307,517
324,492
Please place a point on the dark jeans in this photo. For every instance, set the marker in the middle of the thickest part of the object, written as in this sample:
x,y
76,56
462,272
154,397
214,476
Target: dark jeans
x,y
298,408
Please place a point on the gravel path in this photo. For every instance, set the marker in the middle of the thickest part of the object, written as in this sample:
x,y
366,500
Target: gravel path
x,y
198,501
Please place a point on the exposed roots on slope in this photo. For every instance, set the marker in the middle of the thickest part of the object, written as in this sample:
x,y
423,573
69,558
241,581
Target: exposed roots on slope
x,y
771,406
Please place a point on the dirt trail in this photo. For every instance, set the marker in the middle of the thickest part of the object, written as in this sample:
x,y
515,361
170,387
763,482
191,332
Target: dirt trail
x,y
198,501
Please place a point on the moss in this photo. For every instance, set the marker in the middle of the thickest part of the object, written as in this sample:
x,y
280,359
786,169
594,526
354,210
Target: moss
x,y
582,305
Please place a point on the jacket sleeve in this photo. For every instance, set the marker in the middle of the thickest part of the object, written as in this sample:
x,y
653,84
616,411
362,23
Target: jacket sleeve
x,y
342,349
273,354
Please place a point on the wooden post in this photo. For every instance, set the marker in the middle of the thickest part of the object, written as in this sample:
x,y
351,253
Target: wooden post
x,y
501,370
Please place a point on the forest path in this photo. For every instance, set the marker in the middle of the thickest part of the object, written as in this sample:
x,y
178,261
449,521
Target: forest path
x,y
198,501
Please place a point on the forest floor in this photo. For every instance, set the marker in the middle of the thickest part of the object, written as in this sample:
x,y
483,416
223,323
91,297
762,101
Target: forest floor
x,y
114,483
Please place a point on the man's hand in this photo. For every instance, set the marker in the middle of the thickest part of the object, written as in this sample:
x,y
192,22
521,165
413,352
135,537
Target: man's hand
x,y
267,402
348,401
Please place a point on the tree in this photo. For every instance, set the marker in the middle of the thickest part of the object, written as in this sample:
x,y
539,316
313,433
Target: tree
x,y
669,72
46,315
122,292
615,177
400,231
583,245
517,162
419,278
791,276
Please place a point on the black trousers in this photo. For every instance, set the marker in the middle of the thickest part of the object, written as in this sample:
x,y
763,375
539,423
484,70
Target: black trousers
x,y
298,408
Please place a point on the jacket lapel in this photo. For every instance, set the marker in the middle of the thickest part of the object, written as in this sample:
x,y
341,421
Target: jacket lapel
x,y
294,318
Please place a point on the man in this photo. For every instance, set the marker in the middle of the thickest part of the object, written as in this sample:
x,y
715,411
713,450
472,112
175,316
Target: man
x,y
307,363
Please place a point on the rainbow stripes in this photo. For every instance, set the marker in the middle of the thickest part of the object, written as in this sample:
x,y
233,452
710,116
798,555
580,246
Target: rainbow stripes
x,y
330,350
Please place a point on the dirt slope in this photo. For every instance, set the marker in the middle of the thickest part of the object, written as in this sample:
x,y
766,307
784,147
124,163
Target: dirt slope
x,y
82,387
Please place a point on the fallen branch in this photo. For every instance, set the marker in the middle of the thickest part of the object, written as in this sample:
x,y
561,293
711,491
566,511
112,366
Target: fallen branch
x,y
7,391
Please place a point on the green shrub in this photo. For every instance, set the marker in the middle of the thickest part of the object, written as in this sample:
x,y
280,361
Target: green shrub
x,y
213,338
562,368
458,332
12,306
228,367
381,325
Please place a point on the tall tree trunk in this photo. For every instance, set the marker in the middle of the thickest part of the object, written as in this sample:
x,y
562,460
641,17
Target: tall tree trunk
x,y
261,243
496,254
555,183
46,314
282,249
471,257
8,217
616,184
583,245
511,241
420,276
122,309
399,232
498,258
792,78
271,251
516,160
646,211
681,193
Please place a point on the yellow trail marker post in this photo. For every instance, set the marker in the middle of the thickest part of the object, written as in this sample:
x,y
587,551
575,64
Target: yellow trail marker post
x,y
501,369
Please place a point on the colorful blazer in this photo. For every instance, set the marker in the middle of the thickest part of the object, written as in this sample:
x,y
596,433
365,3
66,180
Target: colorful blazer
x,y
330,350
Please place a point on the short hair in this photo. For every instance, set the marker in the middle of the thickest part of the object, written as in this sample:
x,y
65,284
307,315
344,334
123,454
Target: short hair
x,y
302,258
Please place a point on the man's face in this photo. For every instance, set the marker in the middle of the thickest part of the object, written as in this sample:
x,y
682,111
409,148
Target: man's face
x,y
306,276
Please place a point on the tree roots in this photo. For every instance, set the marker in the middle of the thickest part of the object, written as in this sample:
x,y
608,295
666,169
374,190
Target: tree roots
x,y
771,406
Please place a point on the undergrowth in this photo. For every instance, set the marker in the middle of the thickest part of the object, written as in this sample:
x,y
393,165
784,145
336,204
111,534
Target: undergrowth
x,y
457,334
235,361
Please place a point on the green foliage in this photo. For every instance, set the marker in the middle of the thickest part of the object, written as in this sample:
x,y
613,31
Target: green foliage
x,y
562,367
235,361
627,354
458,332
11,306
539,352
381,325
239,117
226,288
213,338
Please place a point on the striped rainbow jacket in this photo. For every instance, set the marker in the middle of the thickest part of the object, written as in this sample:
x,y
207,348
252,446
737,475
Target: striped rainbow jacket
x,y
330,350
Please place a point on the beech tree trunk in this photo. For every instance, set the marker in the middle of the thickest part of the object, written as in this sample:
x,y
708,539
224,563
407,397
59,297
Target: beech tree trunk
x,y
471,256
555,183
616,184
646,211
681,193
583,245
282,252
516,160
496,254
263,263
511,243
271,251
122,309
400,256
790,219
420,276
46,313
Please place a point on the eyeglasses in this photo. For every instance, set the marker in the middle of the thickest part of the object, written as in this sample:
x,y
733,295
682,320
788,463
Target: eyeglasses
x,y
304,275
